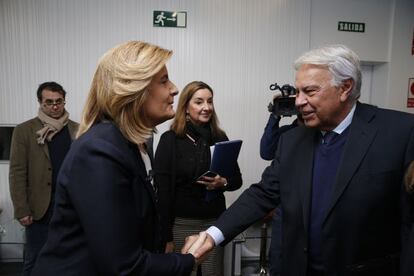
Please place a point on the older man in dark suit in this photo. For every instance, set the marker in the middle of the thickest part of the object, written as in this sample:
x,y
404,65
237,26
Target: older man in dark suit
x,y
338,180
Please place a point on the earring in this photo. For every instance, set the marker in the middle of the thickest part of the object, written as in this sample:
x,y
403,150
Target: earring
x,y
187,117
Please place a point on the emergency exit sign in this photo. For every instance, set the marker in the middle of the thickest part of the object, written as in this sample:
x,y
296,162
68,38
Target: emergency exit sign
x,y
169,19
355,27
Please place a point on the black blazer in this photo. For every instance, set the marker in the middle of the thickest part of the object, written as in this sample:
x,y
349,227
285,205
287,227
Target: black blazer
x,y
105,220
362,227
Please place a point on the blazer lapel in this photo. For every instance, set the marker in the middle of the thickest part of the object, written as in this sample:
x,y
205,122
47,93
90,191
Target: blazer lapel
x,y
361,136
45,150
142,174
305,178
37,126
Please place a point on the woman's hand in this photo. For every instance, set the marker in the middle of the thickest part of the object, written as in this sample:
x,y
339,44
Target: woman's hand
x,y
213,183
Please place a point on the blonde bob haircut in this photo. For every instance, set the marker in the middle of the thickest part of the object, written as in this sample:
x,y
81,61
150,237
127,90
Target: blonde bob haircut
x,y
119,89
180,119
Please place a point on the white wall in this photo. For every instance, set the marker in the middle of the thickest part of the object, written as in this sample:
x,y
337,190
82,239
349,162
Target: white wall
x,y
385,45
372,45
239,47
401,65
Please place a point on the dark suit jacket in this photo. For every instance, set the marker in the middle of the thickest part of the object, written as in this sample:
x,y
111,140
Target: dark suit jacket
x,y
362,228
105,220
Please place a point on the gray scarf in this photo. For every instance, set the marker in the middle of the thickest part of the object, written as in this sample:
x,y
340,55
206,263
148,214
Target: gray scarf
x,y
50,126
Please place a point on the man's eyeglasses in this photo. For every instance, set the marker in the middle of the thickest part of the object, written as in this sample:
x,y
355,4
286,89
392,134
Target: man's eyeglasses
x,y
58,102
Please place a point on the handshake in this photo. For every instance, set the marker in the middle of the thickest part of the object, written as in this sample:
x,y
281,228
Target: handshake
x,y
199,246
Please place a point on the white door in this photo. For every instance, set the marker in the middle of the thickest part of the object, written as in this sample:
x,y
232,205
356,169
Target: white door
x,y
366,83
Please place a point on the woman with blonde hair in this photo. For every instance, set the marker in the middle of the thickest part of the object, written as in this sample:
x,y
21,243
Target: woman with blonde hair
x,y
105,219
189,204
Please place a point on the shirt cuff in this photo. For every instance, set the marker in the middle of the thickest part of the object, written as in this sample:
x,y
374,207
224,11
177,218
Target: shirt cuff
x,y
216,234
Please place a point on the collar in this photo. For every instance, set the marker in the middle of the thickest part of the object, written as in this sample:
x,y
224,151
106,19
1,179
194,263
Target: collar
x,y
345,122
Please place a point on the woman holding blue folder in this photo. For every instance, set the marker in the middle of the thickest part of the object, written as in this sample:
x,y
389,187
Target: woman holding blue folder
x,y
190,200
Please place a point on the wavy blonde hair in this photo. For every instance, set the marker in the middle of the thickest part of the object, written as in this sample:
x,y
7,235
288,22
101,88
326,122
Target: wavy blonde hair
x,y
179,123
119,88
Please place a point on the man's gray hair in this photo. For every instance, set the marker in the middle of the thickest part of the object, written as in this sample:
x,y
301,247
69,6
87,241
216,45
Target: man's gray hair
x,y
342,62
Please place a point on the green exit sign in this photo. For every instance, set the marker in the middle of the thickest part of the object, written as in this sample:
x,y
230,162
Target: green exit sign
x,y
355,27
169,19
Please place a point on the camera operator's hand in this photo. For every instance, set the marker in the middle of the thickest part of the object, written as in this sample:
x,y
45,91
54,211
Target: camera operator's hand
x,y
270,107
278,94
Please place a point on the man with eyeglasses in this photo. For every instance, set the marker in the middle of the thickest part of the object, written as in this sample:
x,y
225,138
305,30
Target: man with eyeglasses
x,y
37,151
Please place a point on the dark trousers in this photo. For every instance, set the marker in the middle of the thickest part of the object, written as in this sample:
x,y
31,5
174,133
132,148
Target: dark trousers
x,y
275,250
36,236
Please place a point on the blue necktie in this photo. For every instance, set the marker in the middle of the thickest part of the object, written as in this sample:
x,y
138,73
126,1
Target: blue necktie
x,y
328,137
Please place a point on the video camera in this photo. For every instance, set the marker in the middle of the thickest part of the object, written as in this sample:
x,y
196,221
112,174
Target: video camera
x,y
285,104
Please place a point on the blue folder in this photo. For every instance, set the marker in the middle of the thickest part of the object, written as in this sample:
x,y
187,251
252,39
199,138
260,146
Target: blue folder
x,y
224,157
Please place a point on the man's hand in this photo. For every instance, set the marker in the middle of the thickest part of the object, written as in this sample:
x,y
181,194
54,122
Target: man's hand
x,y
169,247
26,221
199,246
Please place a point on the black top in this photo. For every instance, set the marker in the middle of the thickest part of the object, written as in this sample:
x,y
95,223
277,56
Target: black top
x,y
58,148
178,162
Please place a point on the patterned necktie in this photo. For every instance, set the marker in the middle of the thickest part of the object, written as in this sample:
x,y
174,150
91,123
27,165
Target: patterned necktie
x,y
328,137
